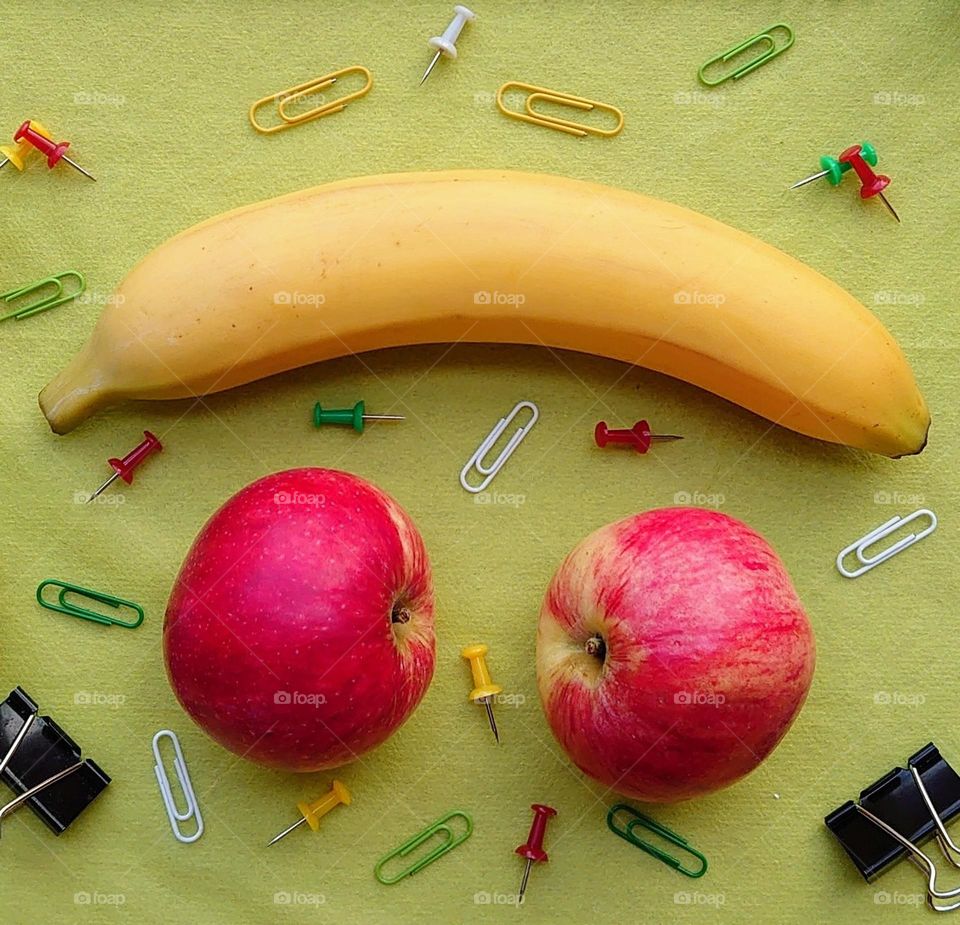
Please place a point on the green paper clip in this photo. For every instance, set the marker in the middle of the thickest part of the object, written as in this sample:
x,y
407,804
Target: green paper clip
x,y
761,38
52,300
62,605
451,840
641,821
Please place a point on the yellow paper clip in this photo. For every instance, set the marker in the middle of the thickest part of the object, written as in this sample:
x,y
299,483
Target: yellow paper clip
x,y
761,38
541,94
286,98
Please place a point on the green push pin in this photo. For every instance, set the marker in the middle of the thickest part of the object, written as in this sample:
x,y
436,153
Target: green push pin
x,y
352,417
834,170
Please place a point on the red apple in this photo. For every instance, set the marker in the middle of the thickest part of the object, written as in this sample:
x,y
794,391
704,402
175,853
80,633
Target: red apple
x,y
672,653
299,632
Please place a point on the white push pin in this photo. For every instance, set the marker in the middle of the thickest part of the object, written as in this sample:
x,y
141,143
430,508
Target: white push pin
x,y
446,44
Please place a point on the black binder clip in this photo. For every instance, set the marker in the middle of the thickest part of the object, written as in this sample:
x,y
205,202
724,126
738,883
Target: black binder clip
x,y
42,765
899,812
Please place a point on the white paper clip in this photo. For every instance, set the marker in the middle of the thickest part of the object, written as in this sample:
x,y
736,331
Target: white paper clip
x,y
180,766
491,469
892,525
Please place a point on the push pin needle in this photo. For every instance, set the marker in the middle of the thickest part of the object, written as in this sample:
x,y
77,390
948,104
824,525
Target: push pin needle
x,y
354,417
312,812
486,701
532,849
446,44
123,468
484,689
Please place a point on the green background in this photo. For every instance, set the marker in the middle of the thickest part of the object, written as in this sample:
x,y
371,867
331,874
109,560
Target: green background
x,y
160,120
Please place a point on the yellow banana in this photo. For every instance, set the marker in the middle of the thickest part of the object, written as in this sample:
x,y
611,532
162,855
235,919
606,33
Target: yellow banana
x,y
504,257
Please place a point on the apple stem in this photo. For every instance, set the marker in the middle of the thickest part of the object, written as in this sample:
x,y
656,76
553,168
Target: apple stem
x,y
399,614
596,647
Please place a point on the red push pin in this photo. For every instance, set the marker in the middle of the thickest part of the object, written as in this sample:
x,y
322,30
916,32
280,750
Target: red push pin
x,y
54,151
532,850
871,184
123,468
639,436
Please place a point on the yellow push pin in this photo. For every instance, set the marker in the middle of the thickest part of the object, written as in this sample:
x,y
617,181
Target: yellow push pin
x,y
312,812
484,689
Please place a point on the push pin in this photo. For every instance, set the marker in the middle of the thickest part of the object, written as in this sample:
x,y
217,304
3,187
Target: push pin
x,y
484,689
833,169
354,417
532,849
871,184
446,44
54,151
17,155
638,436
123,468
312,812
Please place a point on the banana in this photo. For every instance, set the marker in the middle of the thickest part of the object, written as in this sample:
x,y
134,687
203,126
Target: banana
x,y
496,256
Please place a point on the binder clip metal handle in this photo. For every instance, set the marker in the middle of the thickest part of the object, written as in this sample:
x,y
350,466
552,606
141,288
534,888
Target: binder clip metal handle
x,y
922,860
947,846
31,791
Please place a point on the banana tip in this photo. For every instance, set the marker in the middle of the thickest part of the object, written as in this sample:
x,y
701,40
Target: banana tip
x,y
919,449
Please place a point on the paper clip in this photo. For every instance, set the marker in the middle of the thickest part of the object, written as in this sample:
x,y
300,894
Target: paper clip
x,y
286,98
52,300
541,94
491,469
771,51
62,605
893,524
645,822
451,840
180,766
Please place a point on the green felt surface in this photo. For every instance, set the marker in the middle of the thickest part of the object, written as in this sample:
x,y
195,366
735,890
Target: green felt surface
x,y
153,97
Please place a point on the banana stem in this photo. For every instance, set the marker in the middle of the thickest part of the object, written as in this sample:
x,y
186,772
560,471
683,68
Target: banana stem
x,y
73,395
